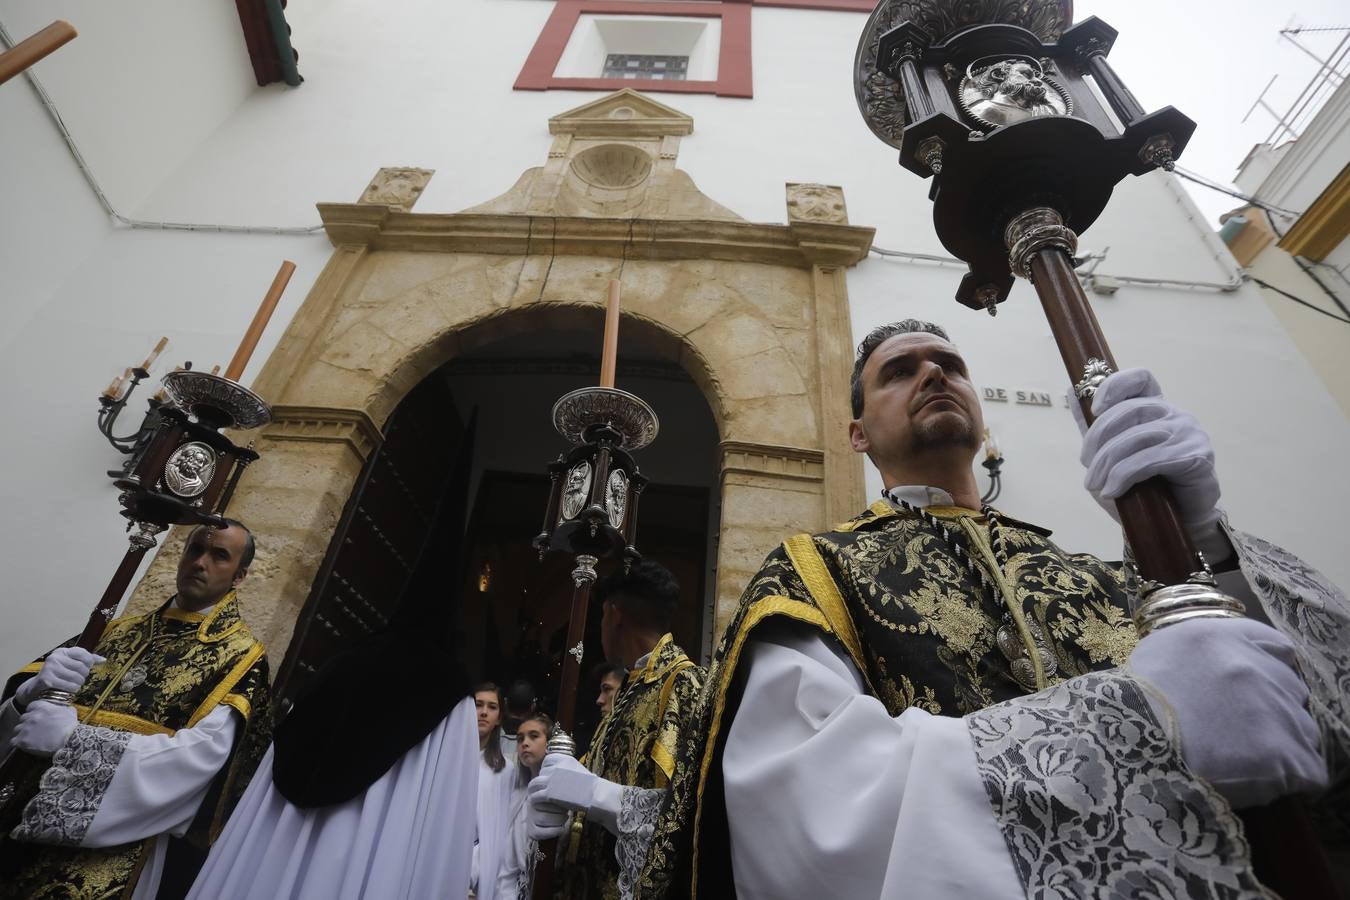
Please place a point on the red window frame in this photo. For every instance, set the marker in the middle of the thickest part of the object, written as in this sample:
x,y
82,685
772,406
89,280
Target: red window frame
x,y
837,5
733,62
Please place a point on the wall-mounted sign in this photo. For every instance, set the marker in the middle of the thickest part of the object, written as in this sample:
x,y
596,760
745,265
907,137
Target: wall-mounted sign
x,y
1023,398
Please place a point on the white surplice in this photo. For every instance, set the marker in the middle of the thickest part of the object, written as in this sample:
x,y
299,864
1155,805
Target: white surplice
x,y
829,796
156,790
496,793
517,856
408,836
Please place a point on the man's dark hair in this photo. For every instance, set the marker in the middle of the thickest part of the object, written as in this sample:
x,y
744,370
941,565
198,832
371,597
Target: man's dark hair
x,y
648,592
605,669
520,698
875,338
246,557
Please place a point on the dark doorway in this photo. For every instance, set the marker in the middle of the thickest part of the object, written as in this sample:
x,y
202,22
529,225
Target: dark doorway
x,y
510,605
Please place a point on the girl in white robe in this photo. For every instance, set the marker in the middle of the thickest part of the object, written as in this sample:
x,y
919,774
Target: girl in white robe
x,y
496,792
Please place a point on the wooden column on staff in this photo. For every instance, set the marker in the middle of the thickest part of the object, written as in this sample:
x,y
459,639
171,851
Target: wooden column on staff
x,y
31,49
260,319
610,355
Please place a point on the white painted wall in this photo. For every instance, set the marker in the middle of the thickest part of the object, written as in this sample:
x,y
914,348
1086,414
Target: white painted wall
x,y
165,108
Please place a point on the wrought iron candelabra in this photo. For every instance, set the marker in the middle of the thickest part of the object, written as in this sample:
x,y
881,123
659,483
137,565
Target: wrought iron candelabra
x,y
134,444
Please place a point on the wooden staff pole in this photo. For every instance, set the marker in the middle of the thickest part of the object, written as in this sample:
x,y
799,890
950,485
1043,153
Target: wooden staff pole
x,y
31,49
609,358
1286,854
260,319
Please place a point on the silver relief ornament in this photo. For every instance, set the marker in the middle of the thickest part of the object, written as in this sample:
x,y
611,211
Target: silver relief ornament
x,y
576,491
190,469
1006,91
616,497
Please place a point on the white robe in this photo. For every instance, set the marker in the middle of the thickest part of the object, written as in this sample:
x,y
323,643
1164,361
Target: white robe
x,y
517,856
409,835
496,793
829,796
157,788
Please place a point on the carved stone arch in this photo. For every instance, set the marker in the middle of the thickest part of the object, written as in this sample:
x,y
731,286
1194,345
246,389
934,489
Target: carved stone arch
x,y
757,315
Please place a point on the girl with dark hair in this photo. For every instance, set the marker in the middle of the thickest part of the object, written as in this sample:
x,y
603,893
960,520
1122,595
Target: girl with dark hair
x,y
496,792
517,866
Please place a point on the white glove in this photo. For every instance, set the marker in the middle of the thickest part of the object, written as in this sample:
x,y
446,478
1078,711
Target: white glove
x,y
564,784
64,669
1139,434
44,728
1239,704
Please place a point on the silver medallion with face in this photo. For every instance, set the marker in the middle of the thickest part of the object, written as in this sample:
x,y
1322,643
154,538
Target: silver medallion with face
x,y
576,491
1007,91
616,497
189,469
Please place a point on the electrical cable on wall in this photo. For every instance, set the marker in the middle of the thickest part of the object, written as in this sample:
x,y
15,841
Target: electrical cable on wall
x,y
50,105
1283,293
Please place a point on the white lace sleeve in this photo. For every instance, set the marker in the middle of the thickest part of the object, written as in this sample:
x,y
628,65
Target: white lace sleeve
x,y
1094,800
1314,614
638,810
73,786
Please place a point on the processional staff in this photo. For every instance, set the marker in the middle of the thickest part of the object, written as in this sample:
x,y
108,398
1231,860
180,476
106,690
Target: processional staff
x,y
591,515
186,476
35,47
993,101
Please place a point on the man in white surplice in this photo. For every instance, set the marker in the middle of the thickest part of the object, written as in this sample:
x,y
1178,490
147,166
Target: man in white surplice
x,y
152,735
934,700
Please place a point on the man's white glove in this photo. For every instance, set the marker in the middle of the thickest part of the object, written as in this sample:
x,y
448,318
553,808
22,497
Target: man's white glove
x,y
44,728
1138,434
64,669
1239,704
563,784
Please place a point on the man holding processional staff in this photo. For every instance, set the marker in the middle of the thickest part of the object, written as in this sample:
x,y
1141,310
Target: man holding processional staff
x,y
149,727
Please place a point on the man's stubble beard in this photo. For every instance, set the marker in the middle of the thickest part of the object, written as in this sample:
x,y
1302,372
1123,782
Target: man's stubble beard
x,y
954,431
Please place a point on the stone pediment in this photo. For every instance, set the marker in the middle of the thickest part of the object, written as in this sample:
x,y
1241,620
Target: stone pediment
x,y
624,113
613,158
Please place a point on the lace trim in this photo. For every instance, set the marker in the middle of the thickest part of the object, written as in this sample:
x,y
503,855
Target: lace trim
x,y
1315,615
638,810
72,787
1094,801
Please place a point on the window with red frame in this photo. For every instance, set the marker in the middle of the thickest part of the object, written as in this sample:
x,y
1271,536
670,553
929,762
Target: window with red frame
x,y
581,37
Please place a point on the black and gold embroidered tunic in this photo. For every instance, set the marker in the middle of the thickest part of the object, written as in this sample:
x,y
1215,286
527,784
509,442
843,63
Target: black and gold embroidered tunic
x,y
891,592
635,746
165,671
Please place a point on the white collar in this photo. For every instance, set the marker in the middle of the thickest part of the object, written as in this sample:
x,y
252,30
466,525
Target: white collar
x,y
641,662
206,611
919,495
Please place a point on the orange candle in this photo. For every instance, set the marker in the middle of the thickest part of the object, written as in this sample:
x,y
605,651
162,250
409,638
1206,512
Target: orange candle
x,y
154,354
111,390
124,385
255,328
31,49
609,358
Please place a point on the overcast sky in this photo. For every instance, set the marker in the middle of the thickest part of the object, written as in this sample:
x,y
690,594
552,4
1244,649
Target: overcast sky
x,y
1210,59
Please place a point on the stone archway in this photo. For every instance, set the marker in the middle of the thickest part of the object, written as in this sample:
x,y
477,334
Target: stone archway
x,y
757,314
